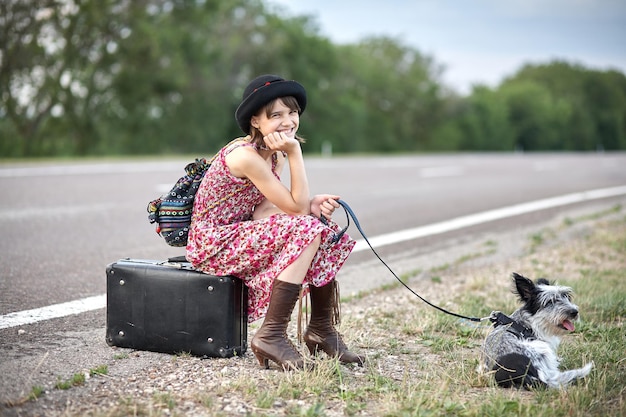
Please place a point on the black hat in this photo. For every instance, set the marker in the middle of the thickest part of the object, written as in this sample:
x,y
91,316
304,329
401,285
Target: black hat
x,y
261,91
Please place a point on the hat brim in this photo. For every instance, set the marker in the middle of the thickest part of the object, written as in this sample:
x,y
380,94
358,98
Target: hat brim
x,y
263,95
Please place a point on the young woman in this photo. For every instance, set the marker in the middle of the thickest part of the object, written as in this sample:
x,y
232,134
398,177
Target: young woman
x,y
248,224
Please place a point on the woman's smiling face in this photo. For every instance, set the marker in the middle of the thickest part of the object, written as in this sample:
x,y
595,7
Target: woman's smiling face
x,y
278,118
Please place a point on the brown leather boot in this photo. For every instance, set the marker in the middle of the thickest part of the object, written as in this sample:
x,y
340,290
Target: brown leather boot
x,y
321,333
271,341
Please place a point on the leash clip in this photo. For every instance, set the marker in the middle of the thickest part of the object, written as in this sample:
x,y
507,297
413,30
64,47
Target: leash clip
x,y
493,317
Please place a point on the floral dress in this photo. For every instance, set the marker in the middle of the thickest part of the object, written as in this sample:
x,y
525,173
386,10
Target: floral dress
x,y
224,240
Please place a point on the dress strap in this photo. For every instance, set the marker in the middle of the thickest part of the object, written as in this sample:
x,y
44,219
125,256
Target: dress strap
x,y
245,141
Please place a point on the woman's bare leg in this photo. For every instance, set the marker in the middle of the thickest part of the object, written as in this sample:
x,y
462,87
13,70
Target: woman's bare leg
x,y
296,272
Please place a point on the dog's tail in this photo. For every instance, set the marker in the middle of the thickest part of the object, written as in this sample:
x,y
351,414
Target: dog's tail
x,y
516,370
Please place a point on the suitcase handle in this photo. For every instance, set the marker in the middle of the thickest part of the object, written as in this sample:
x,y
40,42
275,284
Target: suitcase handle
x,y
178,259
178,262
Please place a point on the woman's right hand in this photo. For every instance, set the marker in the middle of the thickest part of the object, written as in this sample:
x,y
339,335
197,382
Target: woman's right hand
x,y
279,141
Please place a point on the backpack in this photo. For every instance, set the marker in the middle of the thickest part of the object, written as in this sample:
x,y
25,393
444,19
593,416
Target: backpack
x,y
172,211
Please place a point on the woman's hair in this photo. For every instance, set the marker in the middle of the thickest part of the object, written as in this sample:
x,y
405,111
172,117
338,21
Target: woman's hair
x,y
291,102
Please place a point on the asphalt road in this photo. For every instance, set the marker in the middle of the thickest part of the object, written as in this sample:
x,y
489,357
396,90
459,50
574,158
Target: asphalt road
x,y
62,223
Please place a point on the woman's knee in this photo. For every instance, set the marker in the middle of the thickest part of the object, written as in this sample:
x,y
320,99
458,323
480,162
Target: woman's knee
x,y
314,245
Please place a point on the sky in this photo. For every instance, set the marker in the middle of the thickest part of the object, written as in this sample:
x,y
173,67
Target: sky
x,y
480,41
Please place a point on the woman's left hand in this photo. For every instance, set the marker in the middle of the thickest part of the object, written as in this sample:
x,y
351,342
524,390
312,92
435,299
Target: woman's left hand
x,y
324,205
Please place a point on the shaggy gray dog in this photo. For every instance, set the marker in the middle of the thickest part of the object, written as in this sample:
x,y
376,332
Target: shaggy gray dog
x,y
521,349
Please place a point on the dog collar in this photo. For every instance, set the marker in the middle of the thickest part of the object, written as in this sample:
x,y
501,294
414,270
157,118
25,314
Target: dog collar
x,y
500,319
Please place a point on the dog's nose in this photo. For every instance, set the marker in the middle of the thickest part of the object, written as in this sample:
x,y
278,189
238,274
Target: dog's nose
x,y
573,312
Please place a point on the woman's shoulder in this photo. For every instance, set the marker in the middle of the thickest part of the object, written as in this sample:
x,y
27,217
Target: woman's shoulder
x,y
240,156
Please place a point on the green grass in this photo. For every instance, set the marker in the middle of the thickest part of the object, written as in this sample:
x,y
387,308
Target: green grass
x,y
99,370
73,381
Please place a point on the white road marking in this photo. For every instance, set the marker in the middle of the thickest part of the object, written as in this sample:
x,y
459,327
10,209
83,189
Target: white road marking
x,y
96,302
35,315
487,216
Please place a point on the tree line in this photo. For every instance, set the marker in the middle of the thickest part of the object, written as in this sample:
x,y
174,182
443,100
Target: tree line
x,y
112,77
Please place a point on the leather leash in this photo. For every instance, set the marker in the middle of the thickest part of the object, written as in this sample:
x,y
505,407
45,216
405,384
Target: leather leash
x,y
350,214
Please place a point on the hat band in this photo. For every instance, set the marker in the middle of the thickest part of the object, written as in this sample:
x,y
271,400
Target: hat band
x,y
264,85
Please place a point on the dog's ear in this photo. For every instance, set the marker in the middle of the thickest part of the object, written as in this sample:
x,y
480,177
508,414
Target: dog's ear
x,y
524,287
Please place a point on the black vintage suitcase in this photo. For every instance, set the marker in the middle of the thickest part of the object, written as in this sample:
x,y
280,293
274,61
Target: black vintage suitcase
x,y
170,307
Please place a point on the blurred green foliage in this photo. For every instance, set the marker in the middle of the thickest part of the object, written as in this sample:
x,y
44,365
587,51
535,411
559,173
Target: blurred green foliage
x,y
111,77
